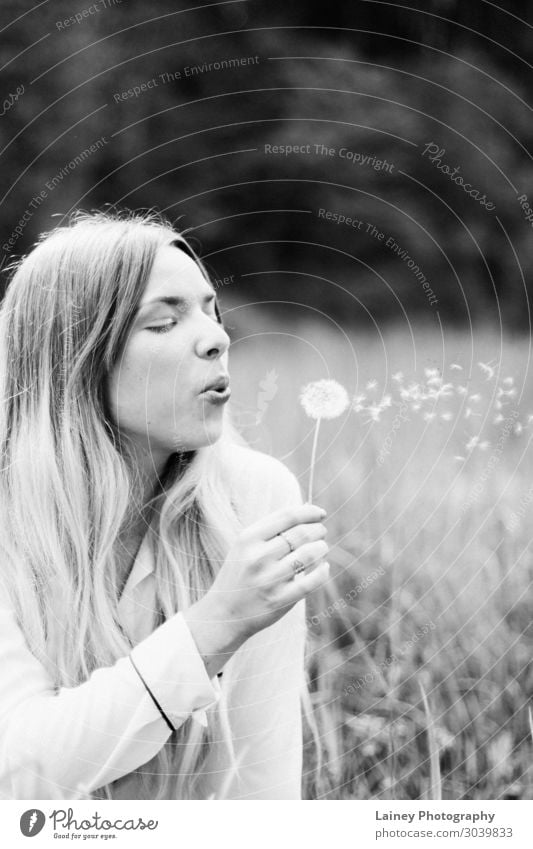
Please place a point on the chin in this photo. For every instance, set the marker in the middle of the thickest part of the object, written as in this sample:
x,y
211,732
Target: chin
x,y
205,437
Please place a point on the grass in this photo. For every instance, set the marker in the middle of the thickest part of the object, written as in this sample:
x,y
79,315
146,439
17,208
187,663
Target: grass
x,y
420,651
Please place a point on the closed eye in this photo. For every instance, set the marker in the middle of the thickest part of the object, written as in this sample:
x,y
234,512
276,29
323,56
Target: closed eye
x,y
162,328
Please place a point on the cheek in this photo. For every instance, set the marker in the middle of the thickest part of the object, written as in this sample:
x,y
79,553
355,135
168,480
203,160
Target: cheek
x,y
148,380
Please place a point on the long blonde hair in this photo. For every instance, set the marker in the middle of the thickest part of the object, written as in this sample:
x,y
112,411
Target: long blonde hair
x,y
63,322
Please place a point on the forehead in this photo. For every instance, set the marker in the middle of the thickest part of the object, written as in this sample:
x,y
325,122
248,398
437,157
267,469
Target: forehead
x,y
175,273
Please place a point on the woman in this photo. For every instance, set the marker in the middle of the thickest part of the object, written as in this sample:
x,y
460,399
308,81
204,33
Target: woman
x,y
153,567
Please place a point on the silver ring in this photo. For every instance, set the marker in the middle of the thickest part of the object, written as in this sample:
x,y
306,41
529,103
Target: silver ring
x,y
298,567
287,540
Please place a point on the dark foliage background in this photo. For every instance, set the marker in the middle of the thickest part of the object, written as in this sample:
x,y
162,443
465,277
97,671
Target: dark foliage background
x,y
380,79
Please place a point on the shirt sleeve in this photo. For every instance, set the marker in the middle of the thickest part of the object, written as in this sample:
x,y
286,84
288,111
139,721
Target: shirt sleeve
x,y
61,744
268,678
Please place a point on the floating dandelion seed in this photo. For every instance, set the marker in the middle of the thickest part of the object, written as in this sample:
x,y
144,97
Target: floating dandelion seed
x,y
447,416
398,376
375,411
475,398
431,372
428,417
497,419
456,367
462,390
487,369
372,384
518,428
322,399
459,458
508,381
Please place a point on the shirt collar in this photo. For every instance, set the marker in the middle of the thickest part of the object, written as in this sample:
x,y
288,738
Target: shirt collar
x,y
143,565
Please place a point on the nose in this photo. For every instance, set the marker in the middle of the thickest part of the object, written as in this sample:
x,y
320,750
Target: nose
x,y
213,342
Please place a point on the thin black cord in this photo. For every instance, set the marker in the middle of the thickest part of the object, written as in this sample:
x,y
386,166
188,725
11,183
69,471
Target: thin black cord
x,y
158,706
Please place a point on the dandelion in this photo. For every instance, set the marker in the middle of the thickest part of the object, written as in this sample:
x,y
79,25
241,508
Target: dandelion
x,y
322,399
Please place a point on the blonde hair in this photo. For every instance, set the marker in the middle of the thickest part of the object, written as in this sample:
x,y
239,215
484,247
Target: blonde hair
x,y
63,323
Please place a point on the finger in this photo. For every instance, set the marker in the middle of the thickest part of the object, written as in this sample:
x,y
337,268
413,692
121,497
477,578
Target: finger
x,y
308,554
283,519
305,584
278,547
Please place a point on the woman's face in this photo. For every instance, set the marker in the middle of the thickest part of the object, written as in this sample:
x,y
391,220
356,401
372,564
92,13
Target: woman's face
x,y
173,350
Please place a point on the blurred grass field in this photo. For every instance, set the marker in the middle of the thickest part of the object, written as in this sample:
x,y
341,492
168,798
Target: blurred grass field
x,y
429,518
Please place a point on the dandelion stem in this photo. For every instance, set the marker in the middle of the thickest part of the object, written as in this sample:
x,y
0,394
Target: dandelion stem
x,y
313,458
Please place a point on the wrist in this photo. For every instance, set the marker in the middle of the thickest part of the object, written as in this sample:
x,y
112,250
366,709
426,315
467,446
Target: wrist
x,y
216,636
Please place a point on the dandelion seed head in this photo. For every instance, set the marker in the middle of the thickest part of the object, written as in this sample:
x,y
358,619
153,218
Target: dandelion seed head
x,y
324,399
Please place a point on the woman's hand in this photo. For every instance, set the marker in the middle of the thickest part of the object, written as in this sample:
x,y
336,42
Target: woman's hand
x,y
257,584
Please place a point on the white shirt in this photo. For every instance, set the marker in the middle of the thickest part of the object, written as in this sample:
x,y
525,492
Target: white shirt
x,y
106,728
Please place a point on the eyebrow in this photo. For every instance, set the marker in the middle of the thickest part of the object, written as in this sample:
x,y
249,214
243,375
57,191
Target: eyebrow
x,y
176,300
